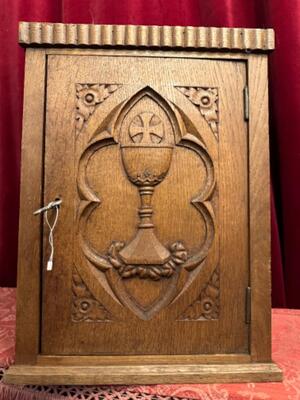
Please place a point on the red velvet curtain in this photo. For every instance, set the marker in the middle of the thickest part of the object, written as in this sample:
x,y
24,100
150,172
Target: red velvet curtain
x,y
283,15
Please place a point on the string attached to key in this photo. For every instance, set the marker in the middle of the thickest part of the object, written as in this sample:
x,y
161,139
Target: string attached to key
x,y
51,242
53,204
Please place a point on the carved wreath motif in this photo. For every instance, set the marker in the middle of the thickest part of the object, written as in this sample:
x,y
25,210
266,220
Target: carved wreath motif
x,y
206,99
89,96
84,306
207,305
178,256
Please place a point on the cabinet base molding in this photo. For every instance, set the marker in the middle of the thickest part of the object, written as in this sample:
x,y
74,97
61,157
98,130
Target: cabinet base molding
x,y
142,374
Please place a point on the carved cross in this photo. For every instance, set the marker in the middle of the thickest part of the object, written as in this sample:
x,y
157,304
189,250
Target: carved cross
x,y
146,128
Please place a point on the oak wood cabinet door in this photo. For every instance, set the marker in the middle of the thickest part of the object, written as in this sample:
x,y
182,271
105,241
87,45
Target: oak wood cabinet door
x,y
155,139
149,156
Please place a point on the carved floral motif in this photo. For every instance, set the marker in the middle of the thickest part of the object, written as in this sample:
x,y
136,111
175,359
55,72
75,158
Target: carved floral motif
x,y
89,96
206,99
84,306
155,272
147,178
207,305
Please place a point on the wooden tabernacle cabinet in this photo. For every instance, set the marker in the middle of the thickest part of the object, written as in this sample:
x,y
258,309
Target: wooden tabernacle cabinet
x,y
156,141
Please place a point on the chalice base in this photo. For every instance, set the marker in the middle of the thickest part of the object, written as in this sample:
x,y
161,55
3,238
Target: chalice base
x,y
145,249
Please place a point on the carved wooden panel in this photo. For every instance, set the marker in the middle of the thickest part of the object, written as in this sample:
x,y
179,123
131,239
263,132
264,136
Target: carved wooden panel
x,y
207,305
206,99
85,307
146,132
89,96
144,166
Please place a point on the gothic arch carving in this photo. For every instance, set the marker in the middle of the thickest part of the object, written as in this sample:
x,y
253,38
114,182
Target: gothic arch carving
x,y
146,128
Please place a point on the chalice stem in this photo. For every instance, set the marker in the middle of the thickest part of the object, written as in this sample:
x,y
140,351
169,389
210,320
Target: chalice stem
x,y
146,211
145,248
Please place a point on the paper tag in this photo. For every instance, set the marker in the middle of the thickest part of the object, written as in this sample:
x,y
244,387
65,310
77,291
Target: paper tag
x,y
49,265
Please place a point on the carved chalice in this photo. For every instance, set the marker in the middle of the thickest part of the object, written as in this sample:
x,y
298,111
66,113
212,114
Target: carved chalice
x,y
146,160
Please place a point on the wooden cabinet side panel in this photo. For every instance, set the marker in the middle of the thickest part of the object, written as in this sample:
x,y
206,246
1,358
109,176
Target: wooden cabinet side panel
x,y
259,203
28,296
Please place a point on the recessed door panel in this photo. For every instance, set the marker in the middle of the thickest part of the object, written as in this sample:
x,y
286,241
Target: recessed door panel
x,y
149,155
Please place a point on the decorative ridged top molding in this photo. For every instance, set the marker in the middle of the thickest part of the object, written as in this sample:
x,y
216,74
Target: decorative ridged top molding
x,y
37,33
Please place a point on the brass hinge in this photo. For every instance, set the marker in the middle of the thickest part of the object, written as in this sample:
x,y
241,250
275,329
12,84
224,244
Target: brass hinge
x,y
246,103
248,305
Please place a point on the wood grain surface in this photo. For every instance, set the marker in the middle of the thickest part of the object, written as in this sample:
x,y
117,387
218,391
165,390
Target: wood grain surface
x,y
49,34
30,230
162,249
255,372
199,203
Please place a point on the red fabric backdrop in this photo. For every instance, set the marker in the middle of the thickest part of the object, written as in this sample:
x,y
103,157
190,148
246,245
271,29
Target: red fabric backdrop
x,y
283,15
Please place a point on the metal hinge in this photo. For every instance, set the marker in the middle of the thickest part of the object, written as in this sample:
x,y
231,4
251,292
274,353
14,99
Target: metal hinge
x,y
248,305
246,103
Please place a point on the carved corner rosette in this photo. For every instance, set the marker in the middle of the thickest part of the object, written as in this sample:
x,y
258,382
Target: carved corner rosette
x,y
84,305
88,97
206,100
207,304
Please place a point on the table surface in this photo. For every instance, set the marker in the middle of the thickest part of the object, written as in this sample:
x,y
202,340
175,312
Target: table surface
x,y
286,353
